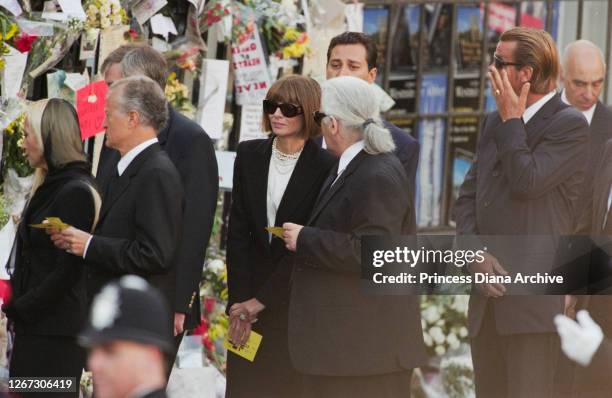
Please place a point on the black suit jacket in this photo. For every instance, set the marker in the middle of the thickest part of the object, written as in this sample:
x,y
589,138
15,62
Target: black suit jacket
x,y
140,225
48,283
407,150
192,152
526,180
258,267
334,328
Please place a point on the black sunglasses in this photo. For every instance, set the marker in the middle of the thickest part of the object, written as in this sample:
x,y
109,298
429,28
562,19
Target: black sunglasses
x,y
500,63
288,110
318,117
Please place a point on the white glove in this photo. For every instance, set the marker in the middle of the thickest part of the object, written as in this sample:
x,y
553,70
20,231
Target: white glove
x,y
581,340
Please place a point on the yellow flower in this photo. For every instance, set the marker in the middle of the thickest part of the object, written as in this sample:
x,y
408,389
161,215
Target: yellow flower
x,y
291,34
2,63
12,32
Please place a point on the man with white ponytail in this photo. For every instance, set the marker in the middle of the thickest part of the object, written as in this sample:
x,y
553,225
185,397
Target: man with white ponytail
x,y
344,342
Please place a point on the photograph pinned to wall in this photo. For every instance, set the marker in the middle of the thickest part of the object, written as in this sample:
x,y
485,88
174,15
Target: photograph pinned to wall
x,y
213,92
89,43
405,47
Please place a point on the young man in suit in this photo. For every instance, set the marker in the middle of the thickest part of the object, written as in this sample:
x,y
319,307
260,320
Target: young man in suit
x,y
142,207
355,54
526,180
128,336
192,152
345,342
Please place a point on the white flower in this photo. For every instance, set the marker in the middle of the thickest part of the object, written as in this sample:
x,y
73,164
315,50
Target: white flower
x,y
463,332
115,4
104,22
460,303
431,314
216,266
116,19
92,9
453,341
437,334
427,339
440,350
105,10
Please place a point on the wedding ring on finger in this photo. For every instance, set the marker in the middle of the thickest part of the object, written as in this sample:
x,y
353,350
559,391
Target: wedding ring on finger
x,y
497,92
242,317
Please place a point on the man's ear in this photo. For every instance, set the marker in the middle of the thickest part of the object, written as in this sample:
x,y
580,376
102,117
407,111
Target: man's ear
x,y
526,74
133,119
372,75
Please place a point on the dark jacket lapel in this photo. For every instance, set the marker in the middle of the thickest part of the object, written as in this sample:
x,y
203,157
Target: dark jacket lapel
x,y
535,126
337,186
258,186
301,182
124,180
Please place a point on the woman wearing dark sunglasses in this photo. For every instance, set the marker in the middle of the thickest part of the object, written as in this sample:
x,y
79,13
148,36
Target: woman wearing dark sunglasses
x,y
276,180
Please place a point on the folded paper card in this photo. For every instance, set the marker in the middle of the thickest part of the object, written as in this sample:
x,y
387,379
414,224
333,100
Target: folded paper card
x,y
52,222
249,350
276,231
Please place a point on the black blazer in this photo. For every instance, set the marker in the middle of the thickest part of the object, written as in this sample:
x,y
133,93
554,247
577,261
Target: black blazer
x,y
251,257
192,152
407,150
526,180
48,283
140,225
334,328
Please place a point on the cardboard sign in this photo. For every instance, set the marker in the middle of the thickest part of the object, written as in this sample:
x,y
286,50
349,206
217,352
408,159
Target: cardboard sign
x,y
91,101
252,80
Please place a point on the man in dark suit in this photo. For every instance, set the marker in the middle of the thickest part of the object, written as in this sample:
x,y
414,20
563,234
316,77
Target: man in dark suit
x,y
142,207
355,54
526,180
345,342
127,340
583,75
192,152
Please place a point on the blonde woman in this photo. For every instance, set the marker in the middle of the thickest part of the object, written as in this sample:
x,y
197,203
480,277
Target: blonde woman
x,y
48,306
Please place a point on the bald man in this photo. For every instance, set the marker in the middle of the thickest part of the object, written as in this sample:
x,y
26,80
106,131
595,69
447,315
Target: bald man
x,y
583,73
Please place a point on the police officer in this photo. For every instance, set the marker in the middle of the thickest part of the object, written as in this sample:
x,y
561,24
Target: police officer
x,y
128,337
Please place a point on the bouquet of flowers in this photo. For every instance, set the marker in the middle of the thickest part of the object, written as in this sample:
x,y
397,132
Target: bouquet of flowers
x,y
443,318
13,155
294,43
178,96
105,13
8,30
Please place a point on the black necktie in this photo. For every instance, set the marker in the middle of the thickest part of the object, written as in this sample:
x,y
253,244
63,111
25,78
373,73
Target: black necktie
x,y
328,182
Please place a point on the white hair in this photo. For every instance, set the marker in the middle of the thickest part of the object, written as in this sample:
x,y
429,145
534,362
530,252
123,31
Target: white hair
x,y
355,104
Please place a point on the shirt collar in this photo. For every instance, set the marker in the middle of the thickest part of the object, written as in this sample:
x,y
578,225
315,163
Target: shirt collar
x,y
536,106
126,159
588,114
349,154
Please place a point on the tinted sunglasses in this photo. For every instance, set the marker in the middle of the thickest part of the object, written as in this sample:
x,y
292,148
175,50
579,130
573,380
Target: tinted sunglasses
x,y
500,63
288,110
318,117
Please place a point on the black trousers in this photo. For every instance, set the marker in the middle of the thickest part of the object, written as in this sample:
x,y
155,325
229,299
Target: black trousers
x,y
513,366
47,356
390,385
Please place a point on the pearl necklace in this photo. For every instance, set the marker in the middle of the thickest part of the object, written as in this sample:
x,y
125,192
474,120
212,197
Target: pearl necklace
x,y
284,162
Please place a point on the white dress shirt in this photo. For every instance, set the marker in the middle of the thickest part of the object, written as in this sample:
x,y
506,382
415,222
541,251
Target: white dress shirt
x,y
278,179
347,156
122,165
588,114
536,106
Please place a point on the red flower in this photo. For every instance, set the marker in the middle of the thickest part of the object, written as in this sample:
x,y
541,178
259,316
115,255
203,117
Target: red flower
x,y
24,42
133,34
202,327
5,291
207,343
209,305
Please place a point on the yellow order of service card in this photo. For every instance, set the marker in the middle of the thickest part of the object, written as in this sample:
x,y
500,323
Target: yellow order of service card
x,y
276,231
250,348
52,222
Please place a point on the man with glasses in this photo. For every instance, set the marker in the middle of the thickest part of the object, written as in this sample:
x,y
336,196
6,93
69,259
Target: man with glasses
x,y
526,180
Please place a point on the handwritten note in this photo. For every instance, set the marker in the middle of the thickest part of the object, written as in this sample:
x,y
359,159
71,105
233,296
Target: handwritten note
x,y
91,101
